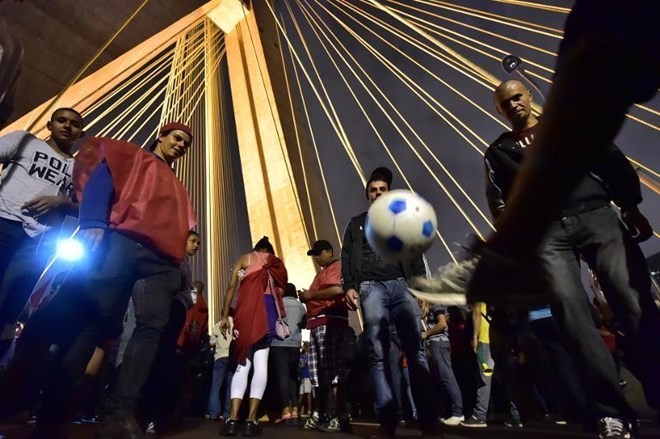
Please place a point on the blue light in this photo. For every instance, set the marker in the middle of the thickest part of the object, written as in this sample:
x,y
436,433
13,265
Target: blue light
x,y
70,249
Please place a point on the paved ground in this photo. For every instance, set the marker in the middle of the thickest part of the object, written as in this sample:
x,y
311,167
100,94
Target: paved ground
x,y
202,429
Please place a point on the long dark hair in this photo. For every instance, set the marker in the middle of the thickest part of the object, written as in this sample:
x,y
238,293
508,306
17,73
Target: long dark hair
x,y
264,244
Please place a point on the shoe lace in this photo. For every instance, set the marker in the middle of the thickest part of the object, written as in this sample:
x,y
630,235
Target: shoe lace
x,y
613,427
454,276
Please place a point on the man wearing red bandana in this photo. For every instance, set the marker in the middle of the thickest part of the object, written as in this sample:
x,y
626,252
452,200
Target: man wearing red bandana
x,y
134,219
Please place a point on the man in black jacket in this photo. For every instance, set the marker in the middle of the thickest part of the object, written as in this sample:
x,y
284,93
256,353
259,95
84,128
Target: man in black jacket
x,y
586,228
384,295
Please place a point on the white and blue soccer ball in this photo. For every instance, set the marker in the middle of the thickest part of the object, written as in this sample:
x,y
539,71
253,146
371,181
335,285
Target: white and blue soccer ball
x,y
400,225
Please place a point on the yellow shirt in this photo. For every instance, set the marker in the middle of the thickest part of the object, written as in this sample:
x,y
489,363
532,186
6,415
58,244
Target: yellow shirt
x,y
484,326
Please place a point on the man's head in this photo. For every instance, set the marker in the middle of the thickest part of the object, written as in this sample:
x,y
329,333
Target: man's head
x,y
199,286
290,291
378,184
174,140
192,246
65,126
323,252
514,102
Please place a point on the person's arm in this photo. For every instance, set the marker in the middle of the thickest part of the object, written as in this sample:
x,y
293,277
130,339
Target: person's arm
x,y
438,328
620,178
94,211
348,283
326,293
346,251
622,183
494,193
229,294
10,144
97,196
46,203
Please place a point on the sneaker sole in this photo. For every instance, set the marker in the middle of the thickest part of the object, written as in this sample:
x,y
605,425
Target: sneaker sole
x,y
474,425
439,297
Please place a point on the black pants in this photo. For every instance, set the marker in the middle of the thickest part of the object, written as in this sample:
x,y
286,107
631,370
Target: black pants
x,y
162,387
285,362
598,237
22,260
89,309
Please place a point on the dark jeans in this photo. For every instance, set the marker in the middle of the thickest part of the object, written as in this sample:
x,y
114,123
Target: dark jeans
x,y
22,260
441,358
219,405
161,390
380,301
89,309
608,248
285,361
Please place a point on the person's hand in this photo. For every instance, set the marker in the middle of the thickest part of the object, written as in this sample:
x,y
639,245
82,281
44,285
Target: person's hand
x,y
424,335
304,295
473,343
351,298
41,205
91,238
637,224
224,327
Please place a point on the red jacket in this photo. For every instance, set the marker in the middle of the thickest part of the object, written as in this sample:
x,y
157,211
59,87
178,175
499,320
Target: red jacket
x,y
197,324
151,205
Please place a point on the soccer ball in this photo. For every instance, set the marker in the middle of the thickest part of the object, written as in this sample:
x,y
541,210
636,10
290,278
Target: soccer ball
x,y
400,225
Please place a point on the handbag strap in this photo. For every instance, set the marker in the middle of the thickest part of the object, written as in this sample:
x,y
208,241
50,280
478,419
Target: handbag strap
x,y
271,286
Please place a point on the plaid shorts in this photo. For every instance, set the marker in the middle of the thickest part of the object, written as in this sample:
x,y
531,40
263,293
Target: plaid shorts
x,y
325,356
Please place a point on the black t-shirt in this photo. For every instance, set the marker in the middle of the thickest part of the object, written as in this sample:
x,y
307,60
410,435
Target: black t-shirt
x,y
375,267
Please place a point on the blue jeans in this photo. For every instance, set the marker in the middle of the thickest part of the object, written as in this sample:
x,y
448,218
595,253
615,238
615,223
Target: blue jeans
x,y
483,392
221,375
441,355
380,302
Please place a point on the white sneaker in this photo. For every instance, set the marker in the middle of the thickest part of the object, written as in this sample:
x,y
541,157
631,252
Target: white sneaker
x,y
453,421
612,428
448,286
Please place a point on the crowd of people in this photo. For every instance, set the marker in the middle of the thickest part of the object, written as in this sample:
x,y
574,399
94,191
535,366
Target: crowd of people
x,y
123,333
135,342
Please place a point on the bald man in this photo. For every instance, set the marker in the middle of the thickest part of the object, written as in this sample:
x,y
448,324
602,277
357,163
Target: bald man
x,y
588,228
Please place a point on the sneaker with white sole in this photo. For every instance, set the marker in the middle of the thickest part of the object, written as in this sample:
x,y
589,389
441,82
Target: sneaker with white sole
x,y
453,421
330,426
473,422
312,422
484,276
613,428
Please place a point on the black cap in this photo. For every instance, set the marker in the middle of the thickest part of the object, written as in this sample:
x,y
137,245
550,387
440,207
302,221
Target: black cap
x,y
379,174
319,246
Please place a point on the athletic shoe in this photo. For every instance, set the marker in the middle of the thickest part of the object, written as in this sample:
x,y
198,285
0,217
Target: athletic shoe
x,y
473,422
612,428
229,428
453,421
252,428
484,276
312,422
330,426
513,423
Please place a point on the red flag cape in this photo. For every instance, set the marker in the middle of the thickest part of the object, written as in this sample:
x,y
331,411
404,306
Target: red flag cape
x,y
250,315
150,204
196,325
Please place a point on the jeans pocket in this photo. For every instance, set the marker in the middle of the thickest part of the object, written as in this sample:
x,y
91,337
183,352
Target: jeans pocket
x,y
366,288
